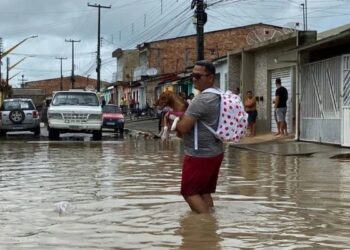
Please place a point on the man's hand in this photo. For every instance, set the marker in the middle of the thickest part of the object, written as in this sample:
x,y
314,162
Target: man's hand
x,y
185,124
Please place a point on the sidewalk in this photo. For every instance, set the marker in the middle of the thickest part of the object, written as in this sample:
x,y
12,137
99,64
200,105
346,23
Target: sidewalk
x,y
266,143
288,146
265,138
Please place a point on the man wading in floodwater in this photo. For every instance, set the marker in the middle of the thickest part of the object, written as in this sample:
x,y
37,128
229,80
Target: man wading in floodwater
x,y
201,166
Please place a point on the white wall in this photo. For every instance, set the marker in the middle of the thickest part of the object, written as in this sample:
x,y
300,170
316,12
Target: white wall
x,y
222,69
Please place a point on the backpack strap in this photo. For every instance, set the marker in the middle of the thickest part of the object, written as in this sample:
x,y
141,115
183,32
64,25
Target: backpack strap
x,y
213,90
196,136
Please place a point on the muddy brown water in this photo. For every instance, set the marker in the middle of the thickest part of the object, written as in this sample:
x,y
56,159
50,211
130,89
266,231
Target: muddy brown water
x,y
123,194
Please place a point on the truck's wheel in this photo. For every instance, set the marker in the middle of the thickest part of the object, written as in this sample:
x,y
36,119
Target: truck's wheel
x,y
54,134
97,135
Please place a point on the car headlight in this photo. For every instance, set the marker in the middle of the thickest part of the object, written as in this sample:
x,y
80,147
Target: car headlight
x,y
54,116
95,117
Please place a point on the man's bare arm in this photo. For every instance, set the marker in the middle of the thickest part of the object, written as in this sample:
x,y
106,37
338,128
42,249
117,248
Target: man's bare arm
x,y
277,100
185,125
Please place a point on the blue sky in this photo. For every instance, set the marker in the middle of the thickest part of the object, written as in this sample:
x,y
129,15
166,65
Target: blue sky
x,y
131,22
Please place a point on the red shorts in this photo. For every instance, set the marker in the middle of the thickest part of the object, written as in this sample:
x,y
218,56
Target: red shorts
x,y
200,174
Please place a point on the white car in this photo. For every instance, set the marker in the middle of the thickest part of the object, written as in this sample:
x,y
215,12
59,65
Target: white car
x,y
76,111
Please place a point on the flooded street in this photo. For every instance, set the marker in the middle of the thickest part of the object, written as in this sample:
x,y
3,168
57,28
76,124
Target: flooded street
x,y
124,194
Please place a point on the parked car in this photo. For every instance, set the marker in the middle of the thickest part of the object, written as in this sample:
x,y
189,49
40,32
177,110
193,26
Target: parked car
x,y
19,114
113,118
75,111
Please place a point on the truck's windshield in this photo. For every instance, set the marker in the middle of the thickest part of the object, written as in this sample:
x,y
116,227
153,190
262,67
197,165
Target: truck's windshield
x,y
75,98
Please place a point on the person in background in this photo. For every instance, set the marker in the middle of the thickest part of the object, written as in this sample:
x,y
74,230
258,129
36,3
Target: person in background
x,y
123,105
201,165
43,112
132,104
190,98
237,91
280,104
183,95
250,108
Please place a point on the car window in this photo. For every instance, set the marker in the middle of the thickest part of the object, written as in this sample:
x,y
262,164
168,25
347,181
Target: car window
x,y
82,99
111,109
17,104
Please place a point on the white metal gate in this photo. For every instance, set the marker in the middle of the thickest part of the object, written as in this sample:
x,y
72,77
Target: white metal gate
x,y
286,75
346,101
320,101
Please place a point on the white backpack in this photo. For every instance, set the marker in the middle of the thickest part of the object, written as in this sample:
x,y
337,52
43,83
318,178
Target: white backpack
x,y
233,120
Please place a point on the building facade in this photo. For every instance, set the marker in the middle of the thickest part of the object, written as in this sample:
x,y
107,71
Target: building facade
x,y
256,67
166,64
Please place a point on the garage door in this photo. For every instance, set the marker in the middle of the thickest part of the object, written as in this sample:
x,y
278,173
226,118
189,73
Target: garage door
x,y
286,75
346,101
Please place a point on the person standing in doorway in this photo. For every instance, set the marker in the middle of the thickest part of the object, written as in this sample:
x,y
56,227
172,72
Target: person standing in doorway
x,y
237,91
250,108
280,105
201,164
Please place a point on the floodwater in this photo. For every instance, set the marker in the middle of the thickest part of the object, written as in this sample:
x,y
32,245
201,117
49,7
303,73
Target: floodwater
x,y
123,194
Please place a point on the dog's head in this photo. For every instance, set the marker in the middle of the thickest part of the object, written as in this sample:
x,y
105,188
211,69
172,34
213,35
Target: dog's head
x,y
165,99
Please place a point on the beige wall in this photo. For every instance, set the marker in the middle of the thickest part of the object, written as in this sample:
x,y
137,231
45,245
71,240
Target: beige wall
x,y
253,70
234,71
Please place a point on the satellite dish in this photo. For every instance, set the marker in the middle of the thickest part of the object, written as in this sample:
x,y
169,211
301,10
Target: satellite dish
x,y
152,72
290,27
259,35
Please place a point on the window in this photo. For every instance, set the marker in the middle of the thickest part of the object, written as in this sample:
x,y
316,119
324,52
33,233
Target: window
x,y
69,98
17,104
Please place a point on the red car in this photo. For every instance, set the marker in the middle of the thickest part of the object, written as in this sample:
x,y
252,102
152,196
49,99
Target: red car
x,y
113,118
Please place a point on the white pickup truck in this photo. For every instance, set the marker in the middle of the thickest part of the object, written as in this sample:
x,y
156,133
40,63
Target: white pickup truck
x,y
75,111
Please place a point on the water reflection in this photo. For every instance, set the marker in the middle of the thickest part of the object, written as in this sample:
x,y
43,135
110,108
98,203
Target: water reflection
x,y
199,232
125,195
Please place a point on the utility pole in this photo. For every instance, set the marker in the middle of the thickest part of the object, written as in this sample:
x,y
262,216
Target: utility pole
x,y
8,69
3,54
98,68
61,82
201,19
72,41
306,15
0,58
303,5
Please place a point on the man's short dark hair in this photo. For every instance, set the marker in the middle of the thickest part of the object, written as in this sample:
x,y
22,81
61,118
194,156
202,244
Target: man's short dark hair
x,y
278,81
209,66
